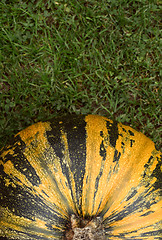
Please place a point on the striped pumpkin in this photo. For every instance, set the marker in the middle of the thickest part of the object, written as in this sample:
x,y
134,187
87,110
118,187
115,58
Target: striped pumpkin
x,y
80,177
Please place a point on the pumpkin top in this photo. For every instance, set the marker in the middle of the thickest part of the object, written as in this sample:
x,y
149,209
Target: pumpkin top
x,y
84,166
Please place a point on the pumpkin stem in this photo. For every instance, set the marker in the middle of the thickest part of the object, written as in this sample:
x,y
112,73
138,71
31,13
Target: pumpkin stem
x,y
83,229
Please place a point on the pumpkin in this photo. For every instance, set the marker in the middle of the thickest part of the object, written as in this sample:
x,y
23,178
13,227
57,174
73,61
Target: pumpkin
x,y
80,177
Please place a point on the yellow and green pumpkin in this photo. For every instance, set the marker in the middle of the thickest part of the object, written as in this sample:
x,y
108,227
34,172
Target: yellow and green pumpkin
x,y
80,177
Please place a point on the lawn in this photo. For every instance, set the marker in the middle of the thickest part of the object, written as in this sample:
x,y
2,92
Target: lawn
x,y
100,57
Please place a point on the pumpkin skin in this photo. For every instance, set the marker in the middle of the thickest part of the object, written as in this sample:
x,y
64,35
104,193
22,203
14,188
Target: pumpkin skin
x,y
86,166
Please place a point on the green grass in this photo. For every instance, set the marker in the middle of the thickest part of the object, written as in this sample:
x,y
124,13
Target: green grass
x,y
100,57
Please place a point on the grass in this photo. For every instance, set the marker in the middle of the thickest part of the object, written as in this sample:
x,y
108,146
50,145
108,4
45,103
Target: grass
x,y
100,57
